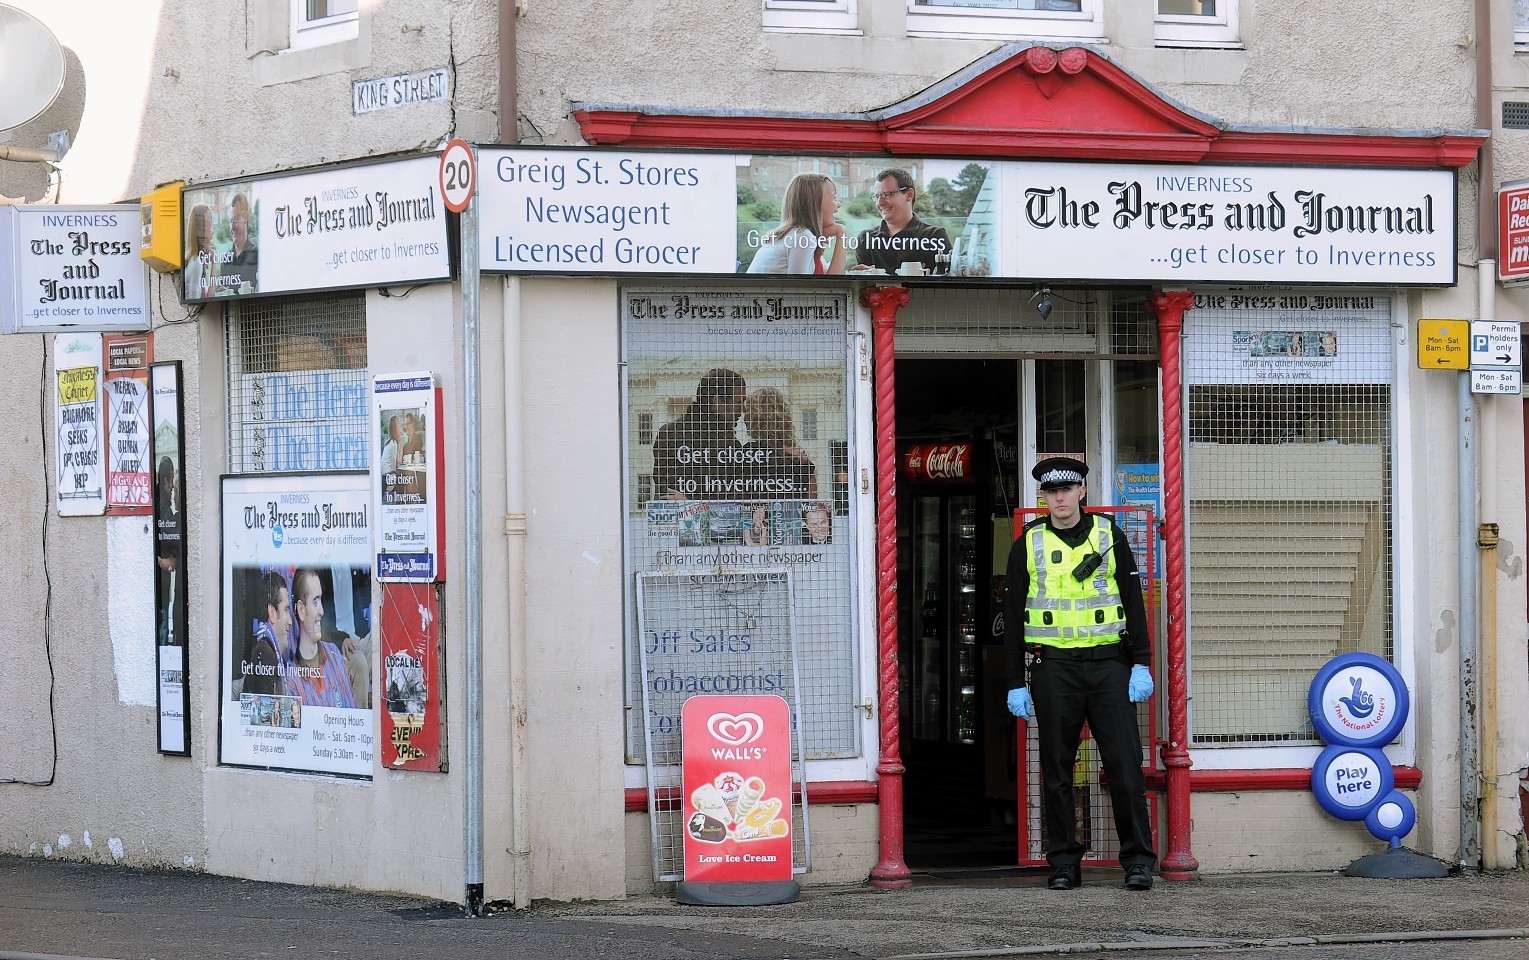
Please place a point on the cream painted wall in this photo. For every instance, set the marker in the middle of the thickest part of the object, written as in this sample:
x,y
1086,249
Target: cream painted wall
x,y
574,587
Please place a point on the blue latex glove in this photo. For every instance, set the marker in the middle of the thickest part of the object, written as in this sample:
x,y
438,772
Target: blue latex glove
x,y
1140,687
1020,703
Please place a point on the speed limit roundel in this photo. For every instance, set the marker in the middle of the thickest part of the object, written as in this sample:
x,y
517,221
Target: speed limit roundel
x,y
459,175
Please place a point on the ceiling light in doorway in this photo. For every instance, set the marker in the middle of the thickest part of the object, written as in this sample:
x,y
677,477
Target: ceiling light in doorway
x,y
1042,300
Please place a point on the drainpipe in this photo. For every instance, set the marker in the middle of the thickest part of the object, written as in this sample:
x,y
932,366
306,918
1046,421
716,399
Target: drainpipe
x,y
1177,862
1471,735
1486,539
515,577
509,107
890,872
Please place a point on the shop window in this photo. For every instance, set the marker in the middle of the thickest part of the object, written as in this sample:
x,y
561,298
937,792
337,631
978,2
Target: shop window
x,y
1197,23
1030,19
1288,479
811,16
298,391
731,509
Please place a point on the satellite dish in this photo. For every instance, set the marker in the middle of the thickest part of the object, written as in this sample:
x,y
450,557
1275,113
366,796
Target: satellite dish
x,y
31,67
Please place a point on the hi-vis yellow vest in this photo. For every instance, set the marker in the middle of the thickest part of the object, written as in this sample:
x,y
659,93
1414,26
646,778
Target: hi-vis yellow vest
x,y
1060,611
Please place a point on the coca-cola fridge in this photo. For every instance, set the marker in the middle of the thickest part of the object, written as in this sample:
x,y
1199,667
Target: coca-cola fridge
x,y
940,695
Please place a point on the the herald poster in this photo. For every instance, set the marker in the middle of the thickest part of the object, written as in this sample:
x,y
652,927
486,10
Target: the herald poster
x,y
411,677
737,788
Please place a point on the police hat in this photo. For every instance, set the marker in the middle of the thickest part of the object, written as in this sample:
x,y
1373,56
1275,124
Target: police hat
x,y
1054,472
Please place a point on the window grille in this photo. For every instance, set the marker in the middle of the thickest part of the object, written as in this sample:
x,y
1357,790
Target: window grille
x,y
298,391
1515,115
1288,487
1097,323
740,490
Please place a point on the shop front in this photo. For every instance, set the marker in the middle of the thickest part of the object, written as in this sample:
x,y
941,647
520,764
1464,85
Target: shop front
x,y
1225,344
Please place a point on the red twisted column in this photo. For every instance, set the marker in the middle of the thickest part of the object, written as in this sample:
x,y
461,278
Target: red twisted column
x,y
890,871
1177,862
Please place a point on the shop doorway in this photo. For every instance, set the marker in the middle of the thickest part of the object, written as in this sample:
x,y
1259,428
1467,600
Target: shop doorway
x,y
968,431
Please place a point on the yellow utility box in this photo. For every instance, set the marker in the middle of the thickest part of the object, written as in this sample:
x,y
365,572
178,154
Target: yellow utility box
x,y
160,246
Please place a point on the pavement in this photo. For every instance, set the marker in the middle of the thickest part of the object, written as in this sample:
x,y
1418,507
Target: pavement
x,y
60,908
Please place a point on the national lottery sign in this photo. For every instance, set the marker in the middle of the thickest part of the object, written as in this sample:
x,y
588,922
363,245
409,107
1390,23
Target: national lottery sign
x,y
582,211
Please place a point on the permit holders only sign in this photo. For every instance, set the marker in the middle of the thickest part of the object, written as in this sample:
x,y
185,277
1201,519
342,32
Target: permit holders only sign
x,y
737,789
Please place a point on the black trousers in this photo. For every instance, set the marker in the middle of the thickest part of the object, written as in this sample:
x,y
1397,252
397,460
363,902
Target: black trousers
x,y
1067,693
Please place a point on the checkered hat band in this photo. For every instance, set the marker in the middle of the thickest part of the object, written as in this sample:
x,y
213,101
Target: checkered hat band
x,y
1061,476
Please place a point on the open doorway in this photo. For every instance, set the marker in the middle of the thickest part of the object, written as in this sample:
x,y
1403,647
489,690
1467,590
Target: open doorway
x,y
958,437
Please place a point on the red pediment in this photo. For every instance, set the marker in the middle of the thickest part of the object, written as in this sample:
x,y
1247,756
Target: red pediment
x,y
1032,101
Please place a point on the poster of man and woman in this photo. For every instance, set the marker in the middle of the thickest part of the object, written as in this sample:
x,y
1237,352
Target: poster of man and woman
x,y
297,639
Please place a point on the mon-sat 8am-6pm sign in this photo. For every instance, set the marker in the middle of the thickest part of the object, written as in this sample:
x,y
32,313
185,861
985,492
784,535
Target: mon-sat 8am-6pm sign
x,y
582,211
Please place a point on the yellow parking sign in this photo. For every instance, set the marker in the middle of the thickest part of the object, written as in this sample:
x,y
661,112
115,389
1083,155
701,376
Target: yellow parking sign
x,y
1444,344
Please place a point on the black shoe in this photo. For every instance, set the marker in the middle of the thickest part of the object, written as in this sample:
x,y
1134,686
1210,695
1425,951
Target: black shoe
x,y
1066,878
1138,877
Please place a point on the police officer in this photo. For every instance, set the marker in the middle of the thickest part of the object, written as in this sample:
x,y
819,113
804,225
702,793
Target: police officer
x,y
1074,607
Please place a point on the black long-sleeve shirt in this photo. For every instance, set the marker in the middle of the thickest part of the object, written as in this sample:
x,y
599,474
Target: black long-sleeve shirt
x,y
1136,638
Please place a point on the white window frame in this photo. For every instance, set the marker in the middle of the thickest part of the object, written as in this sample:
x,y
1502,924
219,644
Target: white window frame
x,y
268,44
1182,30
811,16
977,22
1520,33
317,33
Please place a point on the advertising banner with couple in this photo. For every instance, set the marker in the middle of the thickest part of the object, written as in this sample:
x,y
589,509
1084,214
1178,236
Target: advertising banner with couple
x,y
297,686
738,427
581,211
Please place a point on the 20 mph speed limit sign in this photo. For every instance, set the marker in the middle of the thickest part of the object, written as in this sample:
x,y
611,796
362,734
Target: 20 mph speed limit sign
x,y
459,175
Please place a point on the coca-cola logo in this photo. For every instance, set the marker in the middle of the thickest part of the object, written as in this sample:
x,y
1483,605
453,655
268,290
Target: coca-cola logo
x,y
939,461
948,461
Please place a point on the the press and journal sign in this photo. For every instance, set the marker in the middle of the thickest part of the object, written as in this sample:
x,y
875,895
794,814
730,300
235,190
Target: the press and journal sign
x,y
581,211
66,268
362,225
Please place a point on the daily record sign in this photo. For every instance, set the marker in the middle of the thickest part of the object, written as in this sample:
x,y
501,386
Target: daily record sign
x,y
1513,232
737,784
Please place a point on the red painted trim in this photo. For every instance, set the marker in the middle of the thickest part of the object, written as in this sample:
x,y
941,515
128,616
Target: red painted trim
x,y
1248,781
823,793
890,872
1035,101
1178,862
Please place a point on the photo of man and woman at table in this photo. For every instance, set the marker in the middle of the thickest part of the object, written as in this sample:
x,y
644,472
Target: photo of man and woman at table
x,y
402,459
715,488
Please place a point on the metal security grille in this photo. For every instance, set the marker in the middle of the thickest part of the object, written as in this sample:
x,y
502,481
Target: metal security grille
x,y
1098,323
729,482
1288,474
740,638
298,393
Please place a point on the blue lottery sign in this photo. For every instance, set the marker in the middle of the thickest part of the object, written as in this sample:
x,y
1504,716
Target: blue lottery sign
x,y
1358,700
1358,703
1350,781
